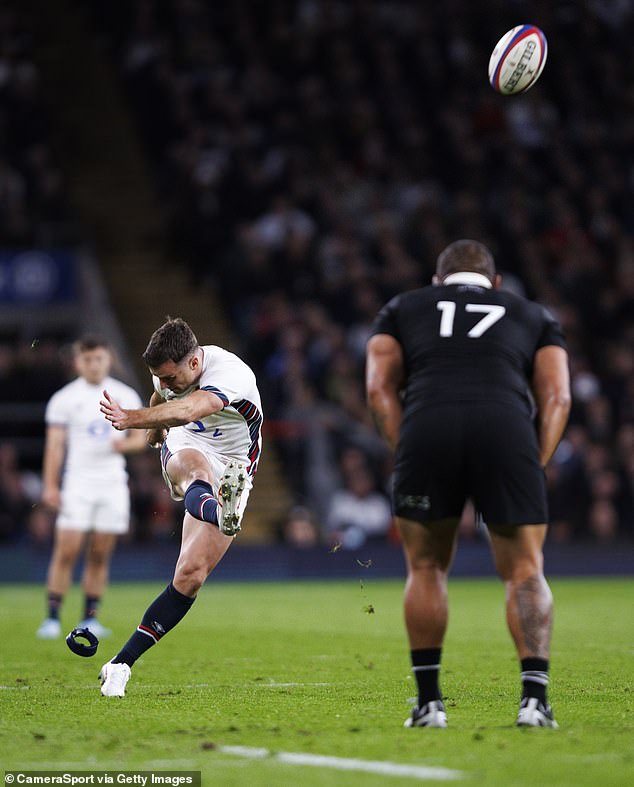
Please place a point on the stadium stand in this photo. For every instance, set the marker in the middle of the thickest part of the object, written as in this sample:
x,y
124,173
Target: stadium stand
x,y
33,200
33,212
121,217
311,159
315,157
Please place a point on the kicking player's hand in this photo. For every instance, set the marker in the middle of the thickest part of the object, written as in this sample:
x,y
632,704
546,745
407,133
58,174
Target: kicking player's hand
x,y
155,437
114,413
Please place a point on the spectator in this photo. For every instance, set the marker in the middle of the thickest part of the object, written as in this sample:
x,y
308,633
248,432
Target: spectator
x,y
358,513
300,529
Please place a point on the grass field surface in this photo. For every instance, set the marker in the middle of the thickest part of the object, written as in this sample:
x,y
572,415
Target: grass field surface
x,y
321,669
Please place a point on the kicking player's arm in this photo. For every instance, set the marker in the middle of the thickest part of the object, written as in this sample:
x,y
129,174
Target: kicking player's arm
x,y
551,389
177,412
385,376
54,450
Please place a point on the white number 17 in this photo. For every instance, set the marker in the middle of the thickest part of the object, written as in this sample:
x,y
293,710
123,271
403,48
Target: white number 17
x,y
492,313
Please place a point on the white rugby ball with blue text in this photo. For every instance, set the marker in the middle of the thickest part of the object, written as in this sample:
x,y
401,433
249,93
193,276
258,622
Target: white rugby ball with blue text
x,y
518,59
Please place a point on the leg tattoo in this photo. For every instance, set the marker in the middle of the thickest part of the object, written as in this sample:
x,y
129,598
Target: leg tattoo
x,y
534,610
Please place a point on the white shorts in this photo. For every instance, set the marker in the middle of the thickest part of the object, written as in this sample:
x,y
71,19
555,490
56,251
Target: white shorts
x,y
104,508
179,438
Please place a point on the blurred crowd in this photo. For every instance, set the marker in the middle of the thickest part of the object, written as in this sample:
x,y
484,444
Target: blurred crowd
x,y
33,203
30,372
313,158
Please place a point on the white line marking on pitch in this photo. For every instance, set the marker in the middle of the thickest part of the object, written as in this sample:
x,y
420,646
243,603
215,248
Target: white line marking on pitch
x,y
286,685
343,764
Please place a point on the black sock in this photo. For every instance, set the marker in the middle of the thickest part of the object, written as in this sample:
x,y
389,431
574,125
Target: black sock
x,y
426,669
54,602
201,502
160,617
535,678
91,605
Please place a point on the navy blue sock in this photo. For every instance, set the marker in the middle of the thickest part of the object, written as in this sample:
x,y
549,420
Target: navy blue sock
x,y
201,503
426,669
54,602
91,605
160,617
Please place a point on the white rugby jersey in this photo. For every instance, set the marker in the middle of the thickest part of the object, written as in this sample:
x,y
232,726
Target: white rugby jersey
x,y
235,432
89,437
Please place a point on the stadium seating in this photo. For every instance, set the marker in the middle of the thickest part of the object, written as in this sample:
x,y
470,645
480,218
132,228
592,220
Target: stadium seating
x,y
316,156
312,158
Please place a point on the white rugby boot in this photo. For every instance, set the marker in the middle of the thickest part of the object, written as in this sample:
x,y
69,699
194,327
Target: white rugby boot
x,y
50,629
94,626
430,715
534,713
114,678
230,491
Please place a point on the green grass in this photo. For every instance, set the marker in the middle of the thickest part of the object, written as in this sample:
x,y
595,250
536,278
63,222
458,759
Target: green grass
x,y
302,667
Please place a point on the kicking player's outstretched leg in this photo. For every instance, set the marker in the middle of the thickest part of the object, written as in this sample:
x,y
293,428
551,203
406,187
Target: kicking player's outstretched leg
x,y
202,548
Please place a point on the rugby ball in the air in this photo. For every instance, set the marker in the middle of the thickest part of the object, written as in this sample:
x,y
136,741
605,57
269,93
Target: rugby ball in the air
x,y
517,60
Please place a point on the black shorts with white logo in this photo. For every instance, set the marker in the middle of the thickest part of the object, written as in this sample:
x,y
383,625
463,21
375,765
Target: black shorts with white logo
x,y
486,452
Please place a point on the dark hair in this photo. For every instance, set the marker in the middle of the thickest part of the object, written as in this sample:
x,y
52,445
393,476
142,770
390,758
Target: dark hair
x,y
465,255
91,341
173,341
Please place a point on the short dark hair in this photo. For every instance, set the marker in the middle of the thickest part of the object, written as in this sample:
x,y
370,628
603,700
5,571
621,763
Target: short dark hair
x,y
465,255
91,341
173,341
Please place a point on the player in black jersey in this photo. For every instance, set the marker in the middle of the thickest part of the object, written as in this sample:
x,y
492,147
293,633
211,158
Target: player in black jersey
x,y
469,386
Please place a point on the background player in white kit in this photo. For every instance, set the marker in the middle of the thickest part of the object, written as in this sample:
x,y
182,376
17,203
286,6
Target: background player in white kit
x,y
85,480
206,415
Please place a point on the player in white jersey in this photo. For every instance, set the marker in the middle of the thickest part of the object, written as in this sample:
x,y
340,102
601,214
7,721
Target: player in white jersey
x,y
206,416
85,481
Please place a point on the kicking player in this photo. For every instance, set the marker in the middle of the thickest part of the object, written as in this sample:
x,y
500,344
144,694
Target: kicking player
x,y
466,355
206,416
85,480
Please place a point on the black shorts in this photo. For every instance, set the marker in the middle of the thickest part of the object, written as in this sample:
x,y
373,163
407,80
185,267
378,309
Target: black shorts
x,y
486,452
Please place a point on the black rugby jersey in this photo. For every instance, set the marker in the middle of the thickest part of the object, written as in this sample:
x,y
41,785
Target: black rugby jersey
x,y
463,342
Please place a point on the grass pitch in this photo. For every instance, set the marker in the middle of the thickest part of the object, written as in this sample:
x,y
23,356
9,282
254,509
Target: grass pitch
x,y
309,667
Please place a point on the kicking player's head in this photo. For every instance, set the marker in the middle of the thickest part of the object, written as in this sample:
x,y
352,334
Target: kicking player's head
x,y
466,255
172,355
93,358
